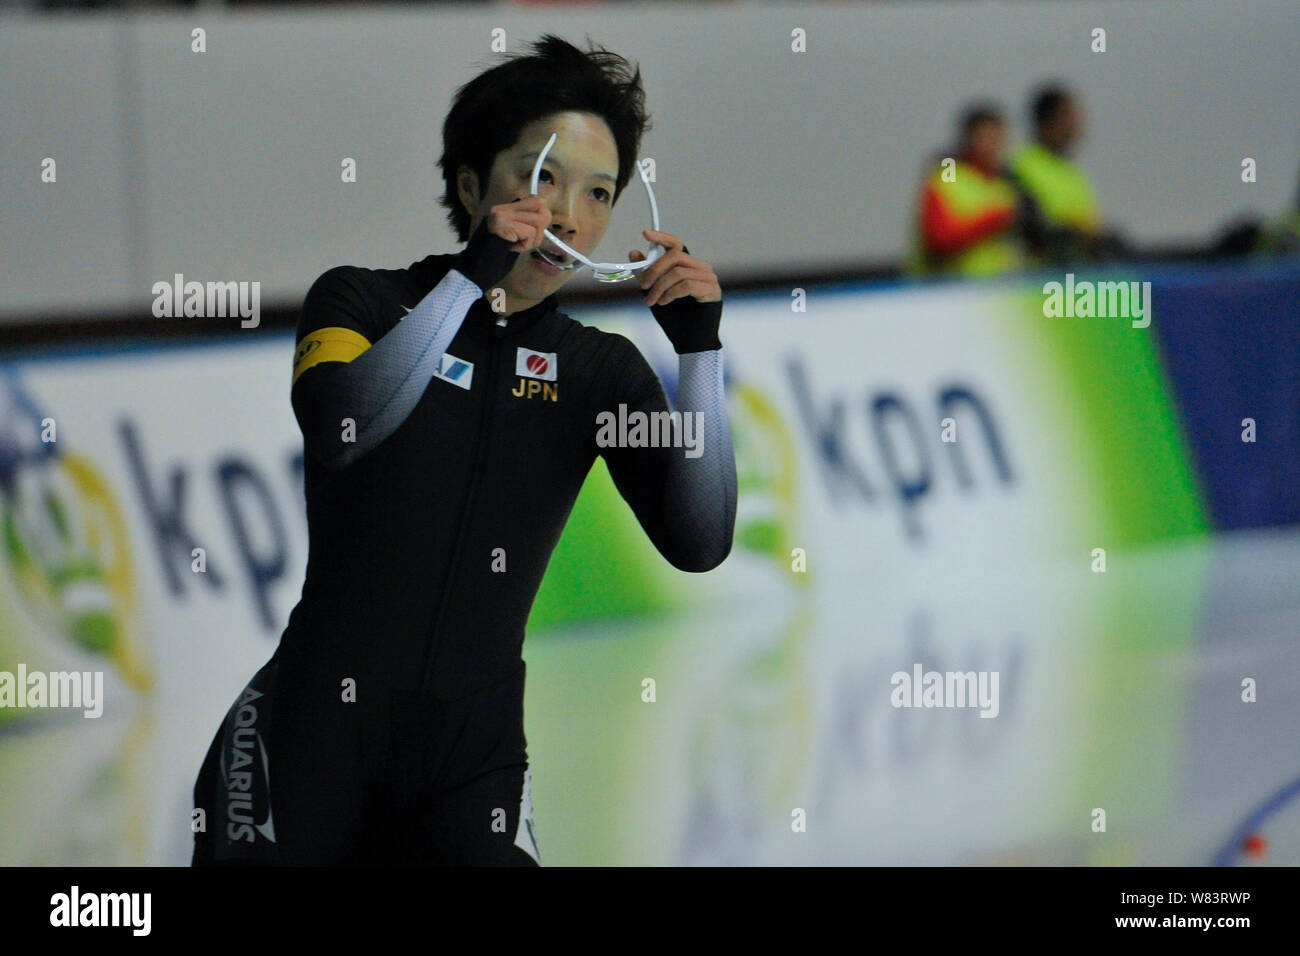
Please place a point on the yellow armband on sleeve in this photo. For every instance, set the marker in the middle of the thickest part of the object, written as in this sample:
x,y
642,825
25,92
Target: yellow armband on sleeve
x,y
332,344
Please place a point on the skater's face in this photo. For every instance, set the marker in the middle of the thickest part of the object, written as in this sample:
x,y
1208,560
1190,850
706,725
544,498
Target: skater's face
x,y
577,181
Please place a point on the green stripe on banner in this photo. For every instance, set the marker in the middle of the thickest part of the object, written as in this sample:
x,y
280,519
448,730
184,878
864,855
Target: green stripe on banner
x,y
1139,618
1150,608
1142,466
603,565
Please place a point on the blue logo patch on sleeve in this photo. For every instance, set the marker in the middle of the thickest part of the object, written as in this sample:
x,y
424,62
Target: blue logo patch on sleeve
x,y
454,370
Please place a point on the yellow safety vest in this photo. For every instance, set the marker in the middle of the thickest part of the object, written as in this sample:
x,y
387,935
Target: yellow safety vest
x,y
970,195
1059,186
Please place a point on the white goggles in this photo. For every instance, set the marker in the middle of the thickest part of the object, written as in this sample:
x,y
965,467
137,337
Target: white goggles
x,y
604,271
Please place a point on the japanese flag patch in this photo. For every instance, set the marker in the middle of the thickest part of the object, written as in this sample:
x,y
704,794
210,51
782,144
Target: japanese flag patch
x,y
532,364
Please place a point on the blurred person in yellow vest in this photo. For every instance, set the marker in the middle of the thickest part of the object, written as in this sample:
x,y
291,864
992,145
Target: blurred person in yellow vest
x,y
1071,228
967,215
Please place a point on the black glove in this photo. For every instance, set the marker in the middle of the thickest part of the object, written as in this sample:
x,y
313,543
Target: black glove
x,y
486,259
691,326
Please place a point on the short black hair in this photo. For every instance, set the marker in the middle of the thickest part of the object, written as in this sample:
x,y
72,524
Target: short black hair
x,y
1047,103
490,111
977,114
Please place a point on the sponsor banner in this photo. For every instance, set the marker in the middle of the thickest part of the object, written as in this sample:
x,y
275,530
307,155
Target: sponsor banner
x,y
929,478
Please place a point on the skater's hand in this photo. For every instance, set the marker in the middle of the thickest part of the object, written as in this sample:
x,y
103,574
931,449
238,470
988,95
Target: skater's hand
x,y
676,273
522,221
